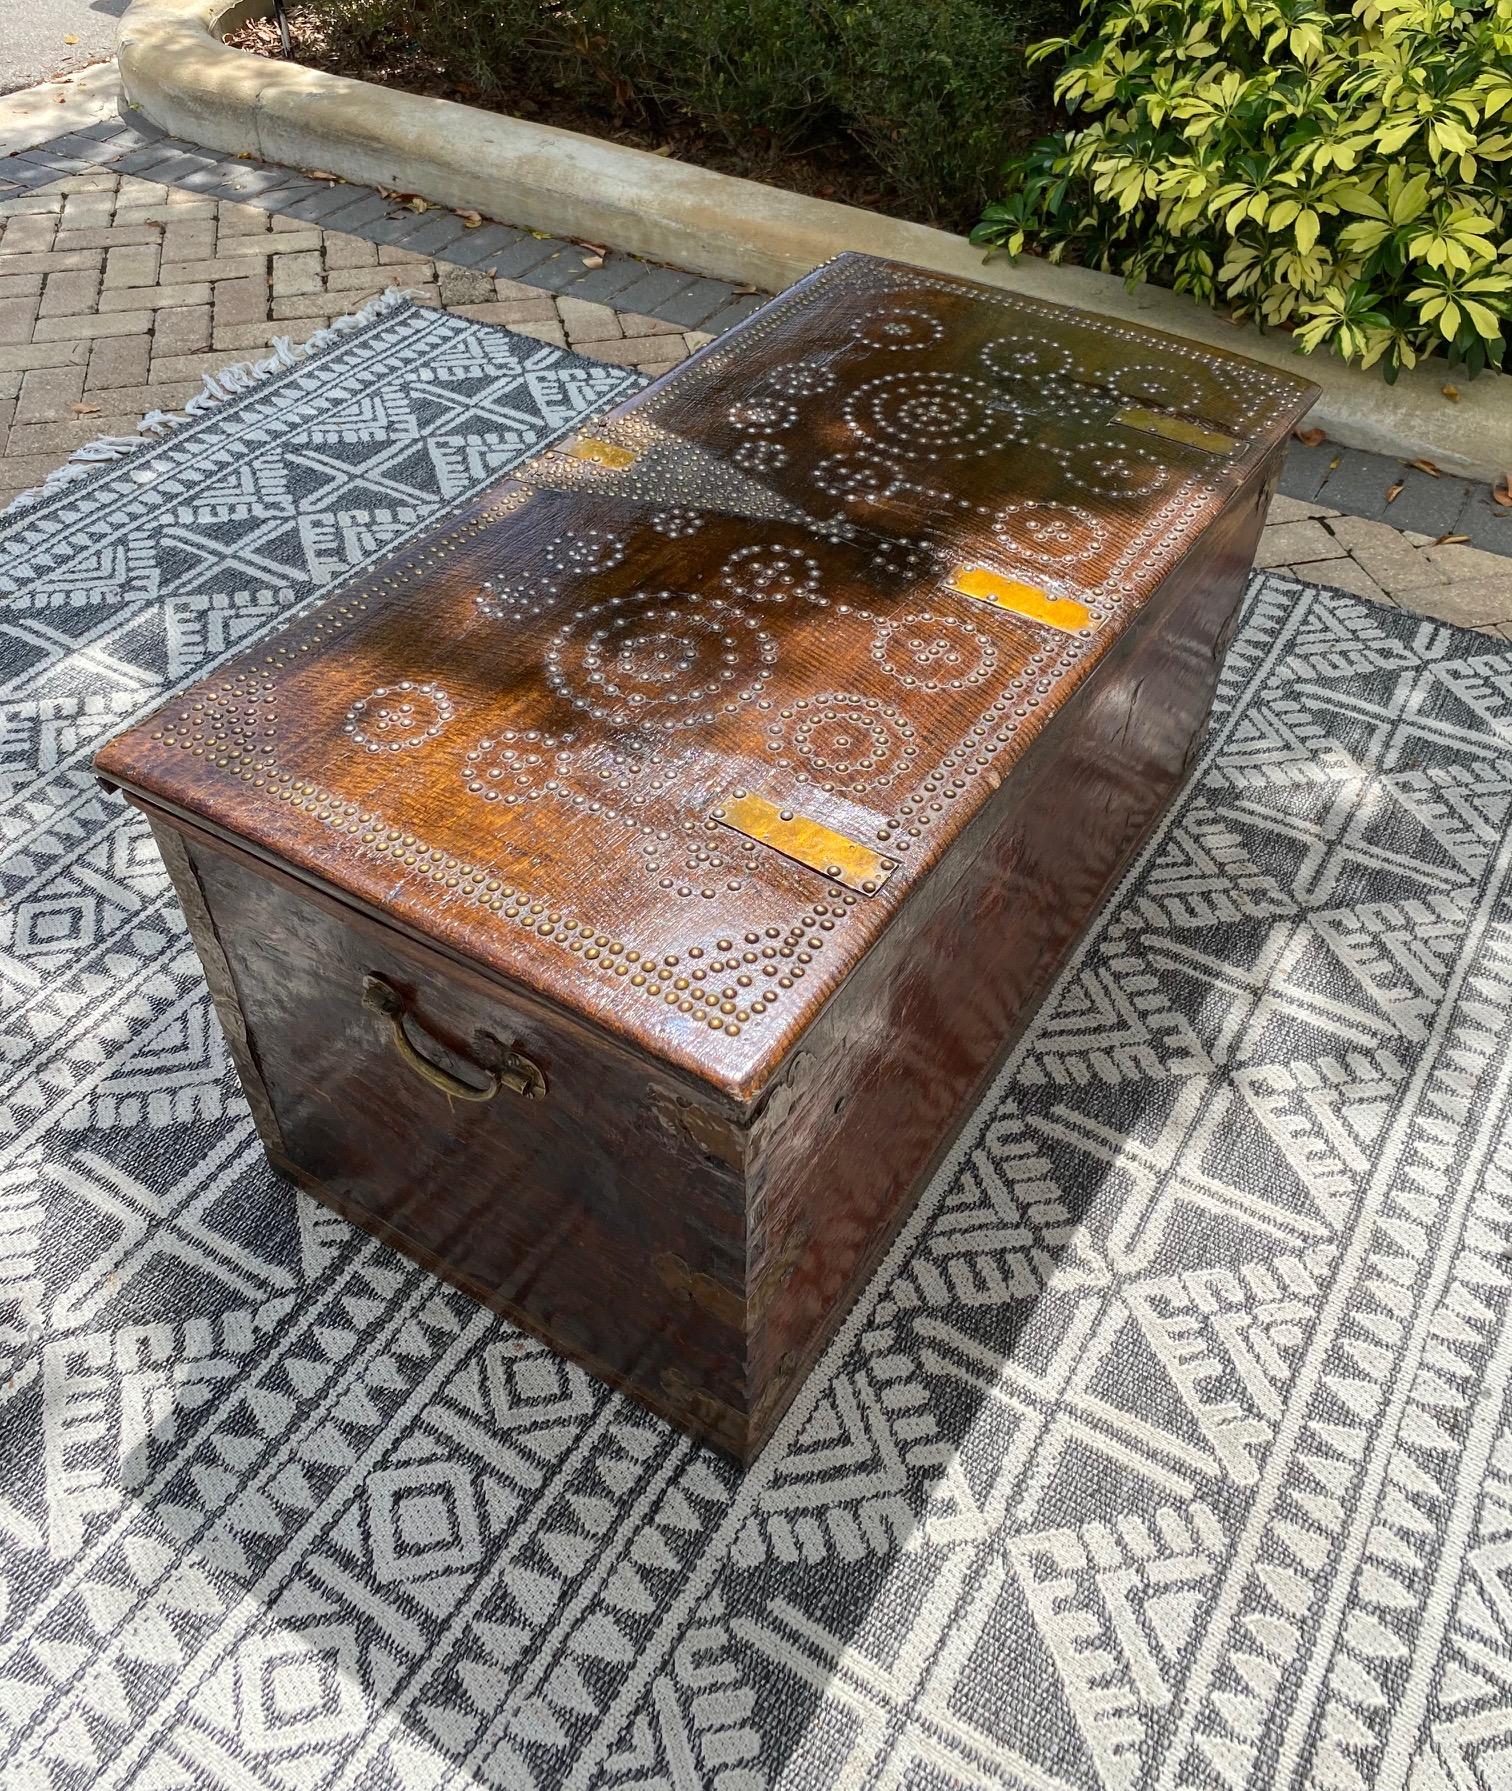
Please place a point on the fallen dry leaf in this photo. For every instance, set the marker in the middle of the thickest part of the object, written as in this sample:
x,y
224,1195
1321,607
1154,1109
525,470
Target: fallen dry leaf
x,y
418,204
70,39
1450,392
1425,466
85,410
541,236
1393,492
1446,540
665,149
1310,438
323,174
1501,491
470,219
593,261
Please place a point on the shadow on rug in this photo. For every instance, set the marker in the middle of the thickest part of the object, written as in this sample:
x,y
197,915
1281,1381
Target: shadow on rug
x,y
1171,1446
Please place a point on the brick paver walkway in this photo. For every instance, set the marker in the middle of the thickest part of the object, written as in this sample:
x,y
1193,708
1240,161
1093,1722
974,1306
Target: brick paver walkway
x,y
132,265
1450,580
119,294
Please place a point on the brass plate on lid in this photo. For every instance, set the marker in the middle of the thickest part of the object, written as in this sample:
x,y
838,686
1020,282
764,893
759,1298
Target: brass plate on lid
x,y
807,842
1177,429
596,449
1024,600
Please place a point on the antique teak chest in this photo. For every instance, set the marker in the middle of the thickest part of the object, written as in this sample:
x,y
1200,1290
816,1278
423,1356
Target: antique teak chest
x,y
617,900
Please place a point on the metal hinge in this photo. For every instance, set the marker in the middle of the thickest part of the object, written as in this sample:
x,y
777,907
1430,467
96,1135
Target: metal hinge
x,y
1177,429
602,453
806,842
987,586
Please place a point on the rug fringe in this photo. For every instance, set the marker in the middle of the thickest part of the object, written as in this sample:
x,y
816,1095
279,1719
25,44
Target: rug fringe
x,y
227,382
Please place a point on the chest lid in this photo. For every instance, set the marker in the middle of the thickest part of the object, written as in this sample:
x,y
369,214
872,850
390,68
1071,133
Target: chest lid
x,y
668,726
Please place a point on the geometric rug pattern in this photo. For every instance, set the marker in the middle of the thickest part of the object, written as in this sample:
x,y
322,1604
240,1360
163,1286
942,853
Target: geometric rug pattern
x,y
1170,1447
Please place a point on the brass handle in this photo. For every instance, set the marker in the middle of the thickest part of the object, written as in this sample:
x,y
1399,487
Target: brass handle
x,y
514,1071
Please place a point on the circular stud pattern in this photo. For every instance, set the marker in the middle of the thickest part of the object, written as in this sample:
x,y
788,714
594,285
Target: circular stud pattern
x,y
1028,357
516,600
770,573
763,415
1119,471
398,717
760,456
932,416
908,559
676,523
927,652
577,553
802,379
899,328
845,742
1167,388
716,860
1041,375
859,474
519,763
660,658
837,530
526,764
1069,403
1053,535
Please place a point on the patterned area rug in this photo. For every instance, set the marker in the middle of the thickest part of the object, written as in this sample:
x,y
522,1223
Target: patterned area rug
x,y
1171,1447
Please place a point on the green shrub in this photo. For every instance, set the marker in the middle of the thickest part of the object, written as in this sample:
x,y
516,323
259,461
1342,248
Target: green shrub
x,y
1342,170
933,93
737,69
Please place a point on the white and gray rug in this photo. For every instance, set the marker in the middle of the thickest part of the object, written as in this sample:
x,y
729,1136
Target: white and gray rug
x,y
1170,1448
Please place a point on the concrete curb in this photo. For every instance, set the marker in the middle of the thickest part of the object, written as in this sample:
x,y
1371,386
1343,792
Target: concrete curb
x,y
536,177
52,108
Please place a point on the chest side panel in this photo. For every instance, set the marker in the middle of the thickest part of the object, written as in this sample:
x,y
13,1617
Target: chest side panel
x,y
607,1214
883,1080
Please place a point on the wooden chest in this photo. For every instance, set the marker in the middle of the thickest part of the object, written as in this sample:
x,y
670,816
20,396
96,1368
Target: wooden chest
x,y
618,900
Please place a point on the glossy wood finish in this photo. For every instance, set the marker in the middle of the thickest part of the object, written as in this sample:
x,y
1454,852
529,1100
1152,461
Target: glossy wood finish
x,y
514,740
504,774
